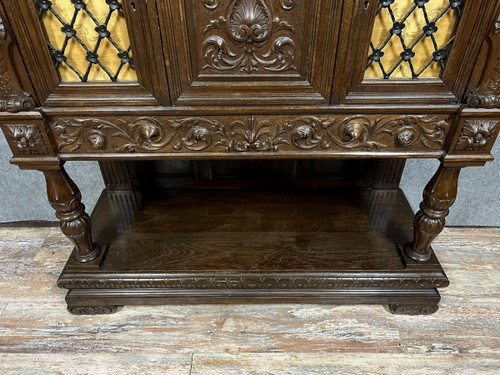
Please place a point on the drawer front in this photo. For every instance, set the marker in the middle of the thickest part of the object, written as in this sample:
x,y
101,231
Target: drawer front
x,y
222,136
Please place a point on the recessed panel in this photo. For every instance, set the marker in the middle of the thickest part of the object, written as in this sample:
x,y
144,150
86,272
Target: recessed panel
x,y
248,38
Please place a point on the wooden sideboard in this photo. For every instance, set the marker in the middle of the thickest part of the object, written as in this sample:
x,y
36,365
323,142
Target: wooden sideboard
x,y
251,149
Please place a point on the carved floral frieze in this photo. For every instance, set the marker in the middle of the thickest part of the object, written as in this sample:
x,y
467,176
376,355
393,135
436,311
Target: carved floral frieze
x,y
26,139
252,134
477,135
248,39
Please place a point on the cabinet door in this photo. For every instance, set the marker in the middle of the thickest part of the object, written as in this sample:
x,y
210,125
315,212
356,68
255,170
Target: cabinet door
x,y
250,51
413,52
90,52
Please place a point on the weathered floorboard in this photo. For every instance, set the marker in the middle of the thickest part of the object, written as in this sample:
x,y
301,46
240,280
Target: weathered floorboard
x,y
38,335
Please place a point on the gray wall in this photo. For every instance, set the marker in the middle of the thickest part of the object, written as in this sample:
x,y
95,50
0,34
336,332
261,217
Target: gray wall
x,y
478,202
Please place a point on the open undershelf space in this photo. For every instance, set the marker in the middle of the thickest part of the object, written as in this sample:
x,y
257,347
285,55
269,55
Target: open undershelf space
x,y
332,245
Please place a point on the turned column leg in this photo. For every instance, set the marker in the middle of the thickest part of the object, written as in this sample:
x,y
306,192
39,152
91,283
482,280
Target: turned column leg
x,y
65,198
439,195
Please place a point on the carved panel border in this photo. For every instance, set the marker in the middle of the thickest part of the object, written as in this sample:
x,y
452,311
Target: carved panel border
x,y
253,134
265,282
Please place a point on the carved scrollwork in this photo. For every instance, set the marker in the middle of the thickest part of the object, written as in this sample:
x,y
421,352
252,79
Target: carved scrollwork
x,y
413,309
143,134
360,132
26,139
253,134
92,310
248,28
477,135
12,97
490,96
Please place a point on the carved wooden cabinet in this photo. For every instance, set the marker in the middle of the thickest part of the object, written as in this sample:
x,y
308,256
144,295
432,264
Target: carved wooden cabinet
x,y
251,149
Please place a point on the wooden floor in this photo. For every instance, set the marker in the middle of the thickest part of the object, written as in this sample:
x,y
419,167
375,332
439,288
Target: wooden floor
x,y
38,335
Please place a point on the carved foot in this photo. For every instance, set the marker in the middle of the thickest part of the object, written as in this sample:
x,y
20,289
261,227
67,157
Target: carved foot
x,y
93,310
413,309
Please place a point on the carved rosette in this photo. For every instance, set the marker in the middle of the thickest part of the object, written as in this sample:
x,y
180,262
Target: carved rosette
x,y
26,139
250,38
477,135
12,97
253,134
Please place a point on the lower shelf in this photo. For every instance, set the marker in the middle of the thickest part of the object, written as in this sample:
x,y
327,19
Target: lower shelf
x,y
213,246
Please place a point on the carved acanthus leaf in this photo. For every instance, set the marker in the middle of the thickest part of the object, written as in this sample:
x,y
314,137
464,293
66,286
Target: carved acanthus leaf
x,y
477,135
26,139
252,134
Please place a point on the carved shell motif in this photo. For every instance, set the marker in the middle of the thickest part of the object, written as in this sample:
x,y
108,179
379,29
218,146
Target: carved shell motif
x,y
249,21
250,38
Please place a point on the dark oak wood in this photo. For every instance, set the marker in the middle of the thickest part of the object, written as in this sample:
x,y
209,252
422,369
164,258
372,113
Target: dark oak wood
x,y
331,246
65,198
288,160
439,195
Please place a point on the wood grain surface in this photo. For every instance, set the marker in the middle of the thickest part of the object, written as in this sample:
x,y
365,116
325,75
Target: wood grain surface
x,y
38,335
